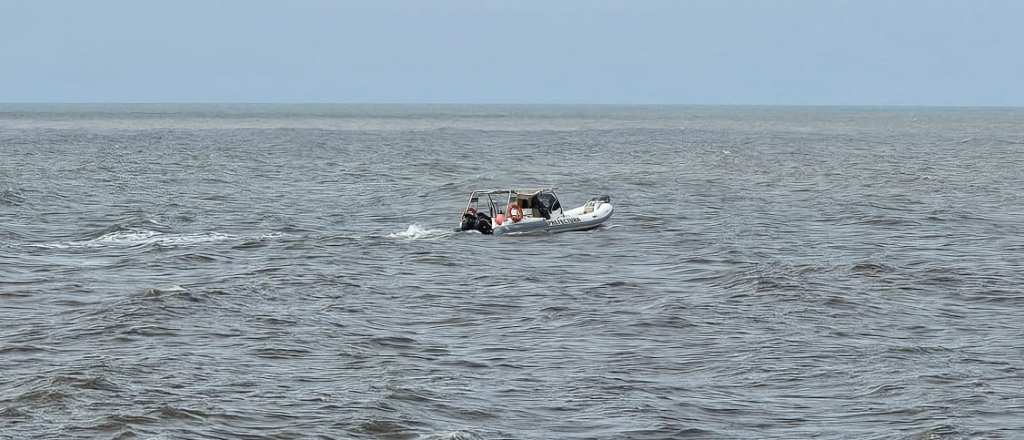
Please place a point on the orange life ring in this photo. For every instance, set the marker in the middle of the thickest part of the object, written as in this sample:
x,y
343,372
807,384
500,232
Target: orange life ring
x,y
515,213
469,211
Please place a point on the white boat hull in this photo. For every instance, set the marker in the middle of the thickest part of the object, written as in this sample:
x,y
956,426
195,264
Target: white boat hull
x,y
571,220
518,211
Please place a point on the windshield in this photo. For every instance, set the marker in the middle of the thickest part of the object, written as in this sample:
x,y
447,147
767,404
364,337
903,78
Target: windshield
x,y
549,201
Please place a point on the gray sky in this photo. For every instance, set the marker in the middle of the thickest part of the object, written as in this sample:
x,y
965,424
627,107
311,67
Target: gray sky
x,y
785,52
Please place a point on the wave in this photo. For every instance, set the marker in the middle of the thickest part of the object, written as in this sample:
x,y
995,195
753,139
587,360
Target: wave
x,y
415,232
141,238
9,197
454,435
132,238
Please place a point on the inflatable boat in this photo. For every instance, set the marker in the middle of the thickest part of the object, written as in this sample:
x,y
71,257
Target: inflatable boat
x,y
520,211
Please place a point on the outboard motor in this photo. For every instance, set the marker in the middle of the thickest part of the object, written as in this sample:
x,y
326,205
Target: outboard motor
x,y
468,222
483,223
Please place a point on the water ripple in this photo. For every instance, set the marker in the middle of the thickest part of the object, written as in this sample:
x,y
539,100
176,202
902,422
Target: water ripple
x,y
290,272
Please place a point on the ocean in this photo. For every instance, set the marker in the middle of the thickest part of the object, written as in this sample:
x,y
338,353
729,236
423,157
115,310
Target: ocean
x,y
289,272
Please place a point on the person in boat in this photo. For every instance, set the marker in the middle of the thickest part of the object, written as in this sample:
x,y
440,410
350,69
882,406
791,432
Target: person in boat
x,y
545,204
542,207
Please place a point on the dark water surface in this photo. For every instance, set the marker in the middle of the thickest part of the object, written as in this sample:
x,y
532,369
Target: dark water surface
x,y
285,272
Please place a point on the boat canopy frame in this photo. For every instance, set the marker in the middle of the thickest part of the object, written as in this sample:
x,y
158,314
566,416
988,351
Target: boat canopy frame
x,y
513,196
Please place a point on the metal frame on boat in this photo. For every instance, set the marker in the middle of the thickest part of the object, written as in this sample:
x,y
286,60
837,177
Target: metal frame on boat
x,y
519,211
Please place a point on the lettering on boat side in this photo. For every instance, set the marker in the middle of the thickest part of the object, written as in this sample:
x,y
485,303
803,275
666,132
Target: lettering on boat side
x,y
564,221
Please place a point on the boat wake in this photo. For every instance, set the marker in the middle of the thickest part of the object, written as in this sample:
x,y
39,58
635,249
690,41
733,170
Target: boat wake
x,y
132,238
415,232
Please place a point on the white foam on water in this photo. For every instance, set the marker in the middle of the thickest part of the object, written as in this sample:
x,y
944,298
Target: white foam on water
x,y
158,238
141,237
454,435
415,231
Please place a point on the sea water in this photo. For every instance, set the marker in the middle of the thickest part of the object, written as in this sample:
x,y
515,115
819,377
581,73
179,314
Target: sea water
x,y
288,272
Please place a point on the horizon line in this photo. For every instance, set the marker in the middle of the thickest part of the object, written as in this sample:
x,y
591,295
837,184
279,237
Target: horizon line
x,y
505,104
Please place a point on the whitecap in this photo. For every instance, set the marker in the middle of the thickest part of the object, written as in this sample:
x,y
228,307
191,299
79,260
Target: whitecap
x,y
454,435
158,238
141,237
415,231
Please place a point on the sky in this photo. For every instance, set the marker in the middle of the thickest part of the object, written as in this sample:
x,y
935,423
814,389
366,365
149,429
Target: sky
x,y
687,52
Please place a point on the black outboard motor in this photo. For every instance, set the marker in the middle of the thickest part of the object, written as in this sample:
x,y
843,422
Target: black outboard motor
x,y
483,223
468,221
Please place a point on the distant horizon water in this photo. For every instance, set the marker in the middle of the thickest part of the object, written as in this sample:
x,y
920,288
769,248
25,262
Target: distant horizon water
x,y
510,104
